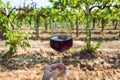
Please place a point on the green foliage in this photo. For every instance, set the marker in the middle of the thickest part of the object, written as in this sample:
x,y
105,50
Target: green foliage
x,y
16,39
3,23
0,3
91,49
3,20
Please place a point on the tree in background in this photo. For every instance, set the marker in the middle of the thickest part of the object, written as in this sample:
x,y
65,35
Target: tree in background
x,y
13,38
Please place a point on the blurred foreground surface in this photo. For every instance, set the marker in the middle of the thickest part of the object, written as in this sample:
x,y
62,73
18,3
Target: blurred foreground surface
x,y
29,64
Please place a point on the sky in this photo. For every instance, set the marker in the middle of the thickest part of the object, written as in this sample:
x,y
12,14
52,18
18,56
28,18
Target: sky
x,y
40,3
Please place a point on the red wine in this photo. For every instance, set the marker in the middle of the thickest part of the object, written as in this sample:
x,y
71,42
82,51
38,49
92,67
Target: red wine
x,y
61,43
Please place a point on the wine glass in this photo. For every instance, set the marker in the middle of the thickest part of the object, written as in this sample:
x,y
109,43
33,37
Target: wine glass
x,y
61,39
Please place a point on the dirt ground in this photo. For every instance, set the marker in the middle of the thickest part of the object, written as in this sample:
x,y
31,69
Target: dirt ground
x,y
29,64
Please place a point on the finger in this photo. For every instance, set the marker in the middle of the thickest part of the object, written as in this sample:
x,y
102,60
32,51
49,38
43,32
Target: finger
x,y
58,66
61,71
54,66
62,66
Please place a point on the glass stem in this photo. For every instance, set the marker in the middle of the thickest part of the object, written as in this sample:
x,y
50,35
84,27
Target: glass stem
x,y
61,61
